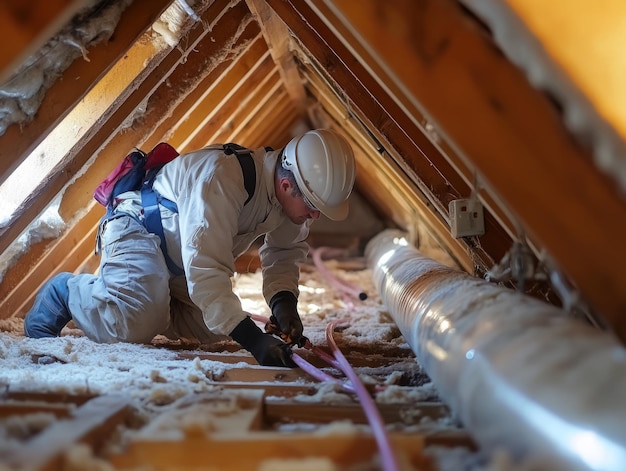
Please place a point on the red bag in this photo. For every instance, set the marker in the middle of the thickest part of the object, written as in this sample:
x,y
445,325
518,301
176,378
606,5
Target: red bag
x,y
137,169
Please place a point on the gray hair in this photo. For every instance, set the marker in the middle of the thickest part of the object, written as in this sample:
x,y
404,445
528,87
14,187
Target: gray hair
x,y
282,172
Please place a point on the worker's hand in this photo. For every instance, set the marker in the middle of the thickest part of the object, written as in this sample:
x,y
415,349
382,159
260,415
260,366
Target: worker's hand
x,y
265,348
284,307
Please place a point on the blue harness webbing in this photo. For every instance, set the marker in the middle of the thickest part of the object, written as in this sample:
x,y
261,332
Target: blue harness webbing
x,y
150,199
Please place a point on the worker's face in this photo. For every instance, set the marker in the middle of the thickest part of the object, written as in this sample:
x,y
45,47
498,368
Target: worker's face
x,y
295,207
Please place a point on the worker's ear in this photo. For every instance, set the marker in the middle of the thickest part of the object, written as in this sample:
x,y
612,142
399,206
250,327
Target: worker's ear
x,y
285,186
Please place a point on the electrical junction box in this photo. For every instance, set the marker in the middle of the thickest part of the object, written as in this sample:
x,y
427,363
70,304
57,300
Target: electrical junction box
x,y
466,218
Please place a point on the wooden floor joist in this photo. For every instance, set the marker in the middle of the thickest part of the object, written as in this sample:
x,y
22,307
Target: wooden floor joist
x,y
255,451
91,423
277,415
289,409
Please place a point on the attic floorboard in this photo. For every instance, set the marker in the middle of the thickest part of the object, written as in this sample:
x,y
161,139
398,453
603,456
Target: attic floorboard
x,y
265,420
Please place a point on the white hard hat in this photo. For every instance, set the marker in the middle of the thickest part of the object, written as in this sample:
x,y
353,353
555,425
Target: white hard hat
x,y
323,164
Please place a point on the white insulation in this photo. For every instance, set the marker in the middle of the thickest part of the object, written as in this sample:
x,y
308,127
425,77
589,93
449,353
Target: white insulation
x,y
520,374
22,94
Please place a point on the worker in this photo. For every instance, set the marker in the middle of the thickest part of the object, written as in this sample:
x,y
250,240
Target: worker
x,y
135,296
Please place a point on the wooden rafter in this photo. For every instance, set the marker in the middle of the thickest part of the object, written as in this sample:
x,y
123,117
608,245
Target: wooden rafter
x,y
19,140
511,133
277,37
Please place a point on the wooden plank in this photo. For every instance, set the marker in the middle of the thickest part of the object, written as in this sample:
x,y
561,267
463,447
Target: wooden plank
x,y
220,119
253,450
90,424
265,374
271,389
265,97
19,140
285,410
450,439
224,124
372,359
277,37
13,408
275,118
514,136
47,397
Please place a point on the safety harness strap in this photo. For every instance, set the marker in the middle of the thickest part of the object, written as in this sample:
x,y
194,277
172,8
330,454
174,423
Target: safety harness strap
x,y
150,199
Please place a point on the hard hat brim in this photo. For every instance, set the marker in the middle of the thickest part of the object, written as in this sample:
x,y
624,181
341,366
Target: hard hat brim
x,y
336,213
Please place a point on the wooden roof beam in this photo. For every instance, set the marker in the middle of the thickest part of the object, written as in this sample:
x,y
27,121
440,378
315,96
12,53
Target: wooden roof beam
x,y
278,38
272,125
227,99
263,97
20,139
511,132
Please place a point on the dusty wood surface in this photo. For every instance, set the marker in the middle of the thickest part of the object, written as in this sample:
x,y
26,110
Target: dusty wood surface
x,y
89,424
276,415
251,451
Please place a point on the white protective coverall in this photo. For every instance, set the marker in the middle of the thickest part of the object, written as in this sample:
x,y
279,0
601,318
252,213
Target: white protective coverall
x,y
135,297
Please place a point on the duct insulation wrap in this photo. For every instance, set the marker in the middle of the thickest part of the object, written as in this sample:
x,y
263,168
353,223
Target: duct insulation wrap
x,y
522,375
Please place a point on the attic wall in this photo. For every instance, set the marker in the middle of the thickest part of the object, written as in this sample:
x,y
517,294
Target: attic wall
x,y
434,107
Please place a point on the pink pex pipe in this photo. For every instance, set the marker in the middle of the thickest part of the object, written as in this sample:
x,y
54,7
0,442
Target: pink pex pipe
x,y
333,280
369,406
319,374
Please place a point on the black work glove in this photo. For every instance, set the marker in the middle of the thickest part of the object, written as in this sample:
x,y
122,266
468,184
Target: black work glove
x,y
284,307
265,348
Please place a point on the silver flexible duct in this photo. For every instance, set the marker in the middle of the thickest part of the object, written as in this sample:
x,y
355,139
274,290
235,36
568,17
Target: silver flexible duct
x,y
518,372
